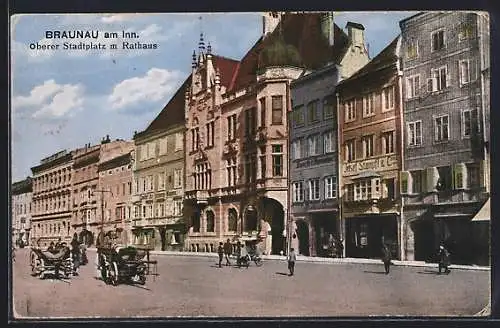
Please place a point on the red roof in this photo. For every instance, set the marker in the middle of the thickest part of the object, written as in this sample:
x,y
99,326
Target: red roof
x,y
303,31
227,68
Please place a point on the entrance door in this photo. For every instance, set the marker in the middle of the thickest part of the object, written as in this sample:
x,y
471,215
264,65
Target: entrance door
x,y
303,236
163,238
425,243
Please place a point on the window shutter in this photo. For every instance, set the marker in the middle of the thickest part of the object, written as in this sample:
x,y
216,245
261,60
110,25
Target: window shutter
x,y
459,174
404,178
432,177
483,174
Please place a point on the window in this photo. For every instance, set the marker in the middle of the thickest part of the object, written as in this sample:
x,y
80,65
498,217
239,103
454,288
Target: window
x,y
129,187
438,80
210,221
437,40
277,153
150,183
196,223
250,168
445,178
177,178
464,71
368,107
350,110
312,111
151,150
314,145
195,139
363,190
388,142
202,176
388,98
297,149
350,150
415,133
329,104
330,187
473,175
210,134
314,189
298,115
231,127
262,102
277,109
465,31
250,122
412,86
441,128
469,122
232,220
161,181
231,171
263,159
389,187
178,141
368,143
411,49
329,142
298,192
163,146
177,207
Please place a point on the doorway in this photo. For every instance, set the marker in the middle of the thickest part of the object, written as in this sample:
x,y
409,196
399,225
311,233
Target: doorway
x,y
303,236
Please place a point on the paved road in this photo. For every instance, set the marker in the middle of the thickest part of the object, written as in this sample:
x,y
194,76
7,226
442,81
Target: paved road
x,y
192,286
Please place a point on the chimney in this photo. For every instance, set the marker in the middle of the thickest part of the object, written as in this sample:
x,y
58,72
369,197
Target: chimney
x,y
269,22
327,27
356,33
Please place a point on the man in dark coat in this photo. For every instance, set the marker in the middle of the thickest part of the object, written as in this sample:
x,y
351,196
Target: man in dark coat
x,y
386,257
228,250
444,259
220,251
75,252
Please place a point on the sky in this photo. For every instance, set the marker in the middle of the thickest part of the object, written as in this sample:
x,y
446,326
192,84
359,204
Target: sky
x,y
64,99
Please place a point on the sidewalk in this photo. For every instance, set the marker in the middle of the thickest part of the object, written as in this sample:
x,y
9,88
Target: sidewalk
x,y
309,259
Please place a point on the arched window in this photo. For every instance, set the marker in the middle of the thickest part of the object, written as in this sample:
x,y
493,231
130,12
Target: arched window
x,y
210,221
196,222
250,219
232,220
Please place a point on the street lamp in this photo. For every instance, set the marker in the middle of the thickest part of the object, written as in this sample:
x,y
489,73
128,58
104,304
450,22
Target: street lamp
x,y
102,191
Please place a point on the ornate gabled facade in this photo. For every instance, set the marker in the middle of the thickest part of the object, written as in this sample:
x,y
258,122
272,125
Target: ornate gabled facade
x,y
237,130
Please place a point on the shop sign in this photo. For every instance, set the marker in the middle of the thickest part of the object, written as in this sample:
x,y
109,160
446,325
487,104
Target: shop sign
x,y
376,164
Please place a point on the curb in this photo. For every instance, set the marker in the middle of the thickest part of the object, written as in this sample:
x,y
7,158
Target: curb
x,y
307,259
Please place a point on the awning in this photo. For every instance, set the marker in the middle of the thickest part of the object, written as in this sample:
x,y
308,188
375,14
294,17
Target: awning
x,y
484,213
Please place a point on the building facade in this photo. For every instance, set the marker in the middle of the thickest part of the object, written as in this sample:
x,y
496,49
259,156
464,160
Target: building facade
x,y
114,188
313,178
21,211
237,130
85,199
370,116
159,179
52,199
446,110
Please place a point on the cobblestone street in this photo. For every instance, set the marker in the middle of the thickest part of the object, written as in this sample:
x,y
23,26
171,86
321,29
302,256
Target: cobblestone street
x,y
195,286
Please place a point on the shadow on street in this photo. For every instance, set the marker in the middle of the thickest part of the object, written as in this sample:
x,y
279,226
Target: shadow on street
x,y
374,272
428,272
282,273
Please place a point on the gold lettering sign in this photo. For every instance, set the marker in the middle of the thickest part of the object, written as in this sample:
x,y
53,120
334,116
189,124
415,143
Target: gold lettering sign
x,y
376,164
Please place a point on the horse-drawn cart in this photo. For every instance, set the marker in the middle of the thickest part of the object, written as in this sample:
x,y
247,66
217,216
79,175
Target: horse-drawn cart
x,y
125,264
57,263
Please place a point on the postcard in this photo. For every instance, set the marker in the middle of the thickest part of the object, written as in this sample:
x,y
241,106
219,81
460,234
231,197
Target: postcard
x,y
247,165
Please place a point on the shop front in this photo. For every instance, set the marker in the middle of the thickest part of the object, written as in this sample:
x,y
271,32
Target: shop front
x,y
366,234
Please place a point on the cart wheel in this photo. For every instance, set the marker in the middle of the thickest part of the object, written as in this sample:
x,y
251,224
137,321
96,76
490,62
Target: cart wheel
x,y
142,279
258,262
113,274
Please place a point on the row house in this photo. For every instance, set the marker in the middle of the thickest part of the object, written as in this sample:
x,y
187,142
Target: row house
x,y
237,130
51,214
446,119
370,155
158,179
114,188
84,197
22,192
313,174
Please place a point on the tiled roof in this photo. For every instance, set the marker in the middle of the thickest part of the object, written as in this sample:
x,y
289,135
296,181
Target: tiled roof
x,y
303,31
22,187
173,112
385,59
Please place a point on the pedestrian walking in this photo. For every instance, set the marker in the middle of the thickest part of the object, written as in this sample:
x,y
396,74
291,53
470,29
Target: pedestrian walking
x,y
292,257
238,253
386,257
220,250
444,259
75,253
228,250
